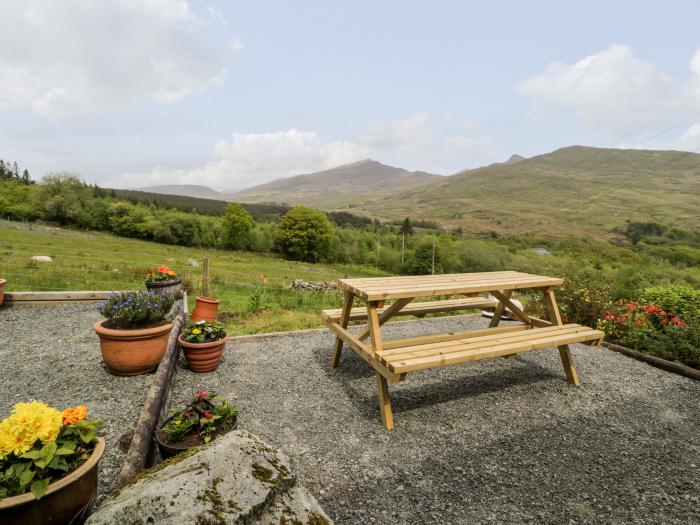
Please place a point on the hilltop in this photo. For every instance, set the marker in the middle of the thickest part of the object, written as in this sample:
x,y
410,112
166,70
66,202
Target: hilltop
x,y
574,191
350,184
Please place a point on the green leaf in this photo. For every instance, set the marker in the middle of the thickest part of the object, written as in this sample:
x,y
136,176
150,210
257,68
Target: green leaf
x,y
59,463
31,454
47,453
66,449
39,487
87,436
26,477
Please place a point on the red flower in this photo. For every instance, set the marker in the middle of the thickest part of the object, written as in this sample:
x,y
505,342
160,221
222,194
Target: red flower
x,y
208,415
202,393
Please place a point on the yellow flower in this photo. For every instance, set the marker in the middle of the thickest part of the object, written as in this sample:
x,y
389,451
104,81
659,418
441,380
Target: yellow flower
x,y
196,331
27,423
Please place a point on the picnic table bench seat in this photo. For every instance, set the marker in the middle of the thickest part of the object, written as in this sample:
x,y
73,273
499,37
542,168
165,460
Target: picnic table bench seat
x,y
416,309
472,346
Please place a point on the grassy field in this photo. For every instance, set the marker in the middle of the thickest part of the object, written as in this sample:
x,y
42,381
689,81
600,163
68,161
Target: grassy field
x,y
97,261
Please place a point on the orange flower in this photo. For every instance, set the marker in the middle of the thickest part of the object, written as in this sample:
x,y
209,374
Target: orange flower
x,y
171,273
73,415
163,269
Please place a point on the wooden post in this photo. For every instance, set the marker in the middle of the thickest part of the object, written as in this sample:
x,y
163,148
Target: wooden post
x,y
344,319
382,386
567,361
433,255
205,278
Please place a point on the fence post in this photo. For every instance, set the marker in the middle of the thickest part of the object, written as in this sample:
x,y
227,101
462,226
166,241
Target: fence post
x,y
205,278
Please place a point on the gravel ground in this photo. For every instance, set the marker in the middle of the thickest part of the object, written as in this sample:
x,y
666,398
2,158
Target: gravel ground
x,y
497,441
52,354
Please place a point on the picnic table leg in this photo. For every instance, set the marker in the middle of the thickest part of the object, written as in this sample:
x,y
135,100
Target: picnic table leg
x,y
344,319
500,309
382,384
567,361
498,313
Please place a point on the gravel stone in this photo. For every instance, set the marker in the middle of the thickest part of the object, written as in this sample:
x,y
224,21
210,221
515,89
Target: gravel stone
x,y
52,354
496,441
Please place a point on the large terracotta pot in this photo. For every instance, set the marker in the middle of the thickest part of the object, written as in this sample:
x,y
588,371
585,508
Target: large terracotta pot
x,y
132,352
202,357
66,501
206,309
174,286
2,290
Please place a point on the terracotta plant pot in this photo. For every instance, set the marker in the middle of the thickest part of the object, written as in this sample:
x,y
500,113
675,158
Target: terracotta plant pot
x,y
202,357
67,500
168,450
206,309
2,290
174,286
132,352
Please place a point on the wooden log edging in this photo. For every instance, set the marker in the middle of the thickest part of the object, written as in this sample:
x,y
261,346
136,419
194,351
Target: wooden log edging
x,y
669,366
136,457
54,298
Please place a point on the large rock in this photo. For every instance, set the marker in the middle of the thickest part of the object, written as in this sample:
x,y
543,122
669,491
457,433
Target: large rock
x,y
238,478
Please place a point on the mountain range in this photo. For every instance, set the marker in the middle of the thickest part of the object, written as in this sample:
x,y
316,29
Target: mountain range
x,y
573,191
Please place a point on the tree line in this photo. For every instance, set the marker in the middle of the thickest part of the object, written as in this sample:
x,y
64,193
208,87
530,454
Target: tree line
x,y
11,172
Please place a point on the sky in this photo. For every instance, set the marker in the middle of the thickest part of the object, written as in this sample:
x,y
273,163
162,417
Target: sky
x,y
230,94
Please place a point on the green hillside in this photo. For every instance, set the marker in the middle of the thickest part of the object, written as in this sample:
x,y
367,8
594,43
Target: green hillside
x,y
577,191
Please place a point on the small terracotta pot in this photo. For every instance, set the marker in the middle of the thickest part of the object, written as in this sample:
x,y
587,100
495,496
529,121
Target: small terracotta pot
x,y
132,352
67,500
168,450
174,286
202,357
2,290
206,309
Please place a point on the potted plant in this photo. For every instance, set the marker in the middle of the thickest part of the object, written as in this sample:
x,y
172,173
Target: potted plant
x,y
163,280
206,309
48,464
203,342
134,335
207,416
2,290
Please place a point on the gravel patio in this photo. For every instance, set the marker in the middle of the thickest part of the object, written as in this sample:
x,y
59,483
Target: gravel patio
x,y
497,441
51,354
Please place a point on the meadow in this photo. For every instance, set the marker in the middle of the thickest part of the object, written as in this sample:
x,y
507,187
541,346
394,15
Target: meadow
x,y
253,288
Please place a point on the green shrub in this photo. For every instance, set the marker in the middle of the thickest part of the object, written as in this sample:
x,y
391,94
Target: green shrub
x,y
681,300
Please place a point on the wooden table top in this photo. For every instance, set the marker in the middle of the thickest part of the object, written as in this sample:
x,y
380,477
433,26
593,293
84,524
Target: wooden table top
x,y
380,288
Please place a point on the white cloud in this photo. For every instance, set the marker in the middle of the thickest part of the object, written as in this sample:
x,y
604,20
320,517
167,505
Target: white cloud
x,y
75,57
237,45
249,159
612,91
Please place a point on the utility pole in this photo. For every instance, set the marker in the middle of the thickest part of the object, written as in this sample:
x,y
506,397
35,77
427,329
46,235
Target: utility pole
x,y
433,254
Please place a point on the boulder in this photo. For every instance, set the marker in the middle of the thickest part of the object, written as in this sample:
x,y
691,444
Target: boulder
x,y
193,263
237,478
41,258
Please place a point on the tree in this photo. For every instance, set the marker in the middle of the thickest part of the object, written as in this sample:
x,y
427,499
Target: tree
x,y
304,234
238,227
407,227
26,179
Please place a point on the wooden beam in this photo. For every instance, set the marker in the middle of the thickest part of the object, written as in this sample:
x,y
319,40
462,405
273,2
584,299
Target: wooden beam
x,y
387,314
344,319
567,360
498,312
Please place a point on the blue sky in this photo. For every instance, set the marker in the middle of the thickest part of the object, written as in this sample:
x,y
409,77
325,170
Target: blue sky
x,y
231,94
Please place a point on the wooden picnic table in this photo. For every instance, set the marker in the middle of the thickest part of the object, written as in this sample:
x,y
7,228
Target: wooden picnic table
x,y
393,359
